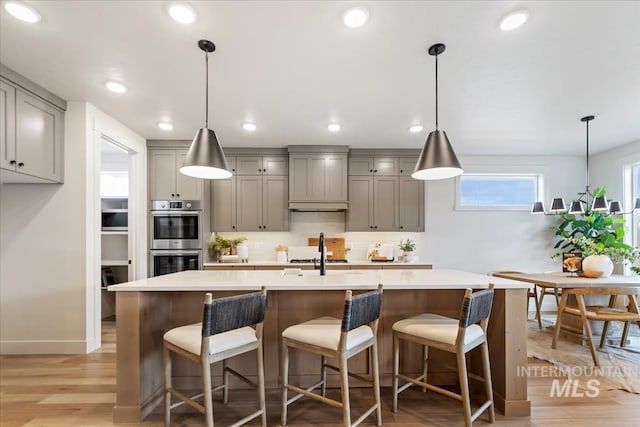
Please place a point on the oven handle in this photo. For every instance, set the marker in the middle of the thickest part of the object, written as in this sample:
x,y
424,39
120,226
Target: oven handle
x,y
170,252
173,213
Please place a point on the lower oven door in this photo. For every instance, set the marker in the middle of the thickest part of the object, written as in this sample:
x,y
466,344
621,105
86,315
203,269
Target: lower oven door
x,y
165,262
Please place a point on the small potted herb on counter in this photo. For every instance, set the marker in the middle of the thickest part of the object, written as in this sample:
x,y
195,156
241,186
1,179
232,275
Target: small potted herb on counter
x,y
407,247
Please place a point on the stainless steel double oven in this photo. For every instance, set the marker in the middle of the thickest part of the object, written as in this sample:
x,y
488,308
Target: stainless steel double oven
x,y
176,236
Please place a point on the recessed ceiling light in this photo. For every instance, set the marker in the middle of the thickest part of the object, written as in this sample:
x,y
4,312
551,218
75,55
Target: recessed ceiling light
x,y
333,127
165,126
513,20
415,128
249,127
22,12
355,17
116,87
182,13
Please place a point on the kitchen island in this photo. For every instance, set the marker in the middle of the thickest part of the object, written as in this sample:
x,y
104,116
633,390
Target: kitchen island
x,y
147,308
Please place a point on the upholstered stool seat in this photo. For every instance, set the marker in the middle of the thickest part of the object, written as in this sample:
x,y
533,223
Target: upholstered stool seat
x,y
325,332
437,328
338,339
458,336
230,326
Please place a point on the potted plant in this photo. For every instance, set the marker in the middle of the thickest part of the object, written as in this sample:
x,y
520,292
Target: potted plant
x,y
221,246
595,234
407,247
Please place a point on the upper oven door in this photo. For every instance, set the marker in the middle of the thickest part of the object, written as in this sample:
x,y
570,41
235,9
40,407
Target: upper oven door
x,y
176,230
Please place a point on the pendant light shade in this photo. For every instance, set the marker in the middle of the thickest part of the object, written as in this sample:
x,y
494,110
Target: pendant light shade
x,y
558,206
205,158
576,208
437,159
538,208
600,204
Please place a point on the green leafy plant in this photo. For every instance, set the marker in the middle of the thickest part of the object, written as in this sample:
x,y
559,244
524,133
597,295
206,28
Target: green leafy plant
x,y
595,234
407,246
221,245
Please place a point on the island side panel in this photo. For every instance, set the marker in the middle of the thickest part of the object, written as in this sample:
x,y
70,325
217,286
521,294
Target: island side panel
x,y
507,334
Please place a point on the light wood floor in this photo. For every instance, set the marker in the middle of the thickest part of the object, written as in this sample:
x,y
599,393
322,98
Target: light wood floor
x,y
79,390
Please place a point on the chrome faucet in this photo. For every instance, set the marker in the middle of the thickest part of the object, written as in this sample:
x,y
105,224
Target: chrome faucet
x,y
323,257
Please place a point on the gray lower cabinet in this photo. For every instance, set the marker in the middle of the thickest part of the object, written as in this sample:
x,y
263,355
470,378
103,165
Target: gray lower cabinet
x,y
250,203
31,136
165,180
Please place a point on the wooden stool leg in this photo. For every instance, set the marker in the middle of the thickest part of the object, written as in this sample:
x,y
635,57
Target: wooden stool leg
x,y
375,369
225,382
605,329
425,363
488,387
537,303
285,382
555,294
261,392
396,363
464,387
625,331
323,390
556,331
208,398
344,389
167,384
587,329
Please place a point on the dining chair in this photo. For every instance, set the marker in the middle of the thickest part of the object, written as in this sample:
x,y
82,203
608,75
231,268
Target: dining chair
x,y
340,340
230,326
458,336
606,313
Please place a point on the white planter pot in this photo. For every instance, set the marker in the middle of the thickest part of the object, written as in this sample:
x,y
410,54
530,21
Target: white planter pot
x,y
598,263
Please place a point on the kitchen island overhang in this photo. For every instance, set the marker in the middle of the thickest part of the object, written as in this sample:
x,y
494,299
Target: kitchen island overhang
x,y
147,308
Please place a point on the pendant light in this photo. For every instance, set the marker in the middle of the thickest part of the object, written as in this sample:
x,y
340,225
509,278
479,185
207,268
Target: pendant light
x,y
437,159
583,206
205,158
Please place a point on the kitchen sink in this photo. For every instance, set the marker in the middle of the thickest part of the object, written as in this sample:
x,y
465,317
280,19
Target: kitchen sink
x,y
300,272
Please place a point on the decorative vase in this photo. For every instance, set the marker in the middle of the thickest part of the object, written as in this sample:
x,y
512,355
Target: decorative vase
x,y
281,257
598,263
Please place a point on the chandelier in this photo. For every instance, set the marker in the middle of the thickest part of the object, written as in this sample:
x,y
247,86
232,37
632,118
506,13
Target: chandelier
x,y
587,202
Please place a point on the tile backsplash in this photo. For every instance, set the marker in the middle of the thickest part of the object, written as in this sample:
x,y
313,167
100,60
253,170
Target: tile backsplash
x,y
332,224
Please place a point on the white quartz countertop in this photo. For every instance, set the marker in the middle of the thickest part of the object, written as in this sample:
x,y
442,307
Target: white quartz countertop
x,y
309,280
302,264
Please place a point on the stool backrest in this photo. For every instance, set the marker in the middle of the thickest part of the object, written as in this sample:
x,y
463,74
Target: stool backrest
x,y
476,306
227,314
361,309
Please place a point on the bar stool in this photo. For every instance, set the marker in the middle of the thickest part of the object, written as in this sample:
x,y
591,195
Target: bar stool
x,y
337,339
225,332
455,336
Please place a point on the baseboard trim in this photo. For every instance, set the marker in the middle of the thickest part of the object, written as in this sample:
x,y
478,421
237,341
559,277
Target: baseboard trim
x,y
44,347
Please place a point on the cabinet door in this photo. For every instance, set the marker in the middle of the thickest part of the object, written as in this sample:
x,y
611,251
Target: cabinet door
x,y
411,204
39,137
223,204
385,166
275,199
187,187
407,165
249,203
360,213
318,177
162,174
385,204
248,165
275,165
362,166
7,126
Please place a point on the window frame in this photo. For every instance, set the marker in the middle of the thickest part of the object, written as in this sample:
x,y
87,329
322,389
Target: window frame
x,y
538,186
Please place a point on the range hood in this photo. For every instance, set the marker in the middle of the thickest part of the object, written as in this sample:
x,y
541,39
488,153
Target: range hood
x,y
318,206
318,179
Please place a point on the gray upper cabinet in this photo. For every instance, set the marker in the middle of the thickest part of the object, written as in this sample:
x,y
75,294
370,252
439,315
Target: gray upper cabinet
x,y
318,178
379,166
31,136
252,200
383,196
165,180
262,165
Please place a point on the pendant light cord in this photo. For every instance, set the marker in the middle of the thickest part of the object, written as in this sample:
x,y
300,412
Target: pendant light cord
x,y
587,190
436,92
206,91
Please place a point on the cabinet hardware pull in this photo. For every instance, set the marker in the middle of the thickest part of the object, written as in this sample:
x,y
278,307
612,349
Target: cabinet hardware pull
x,y
401,227
376,227
177,195
233,226
173,195
401,171
21,164
12,162
370,170
375,171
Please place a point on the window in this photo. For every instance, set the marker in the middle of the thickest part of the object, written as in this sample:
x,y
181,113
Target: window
x,y
636,215
497,191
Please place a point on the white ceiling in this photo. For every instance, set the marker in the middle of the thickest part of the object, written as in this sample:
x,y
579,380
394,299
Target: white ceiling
x,y
293,67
